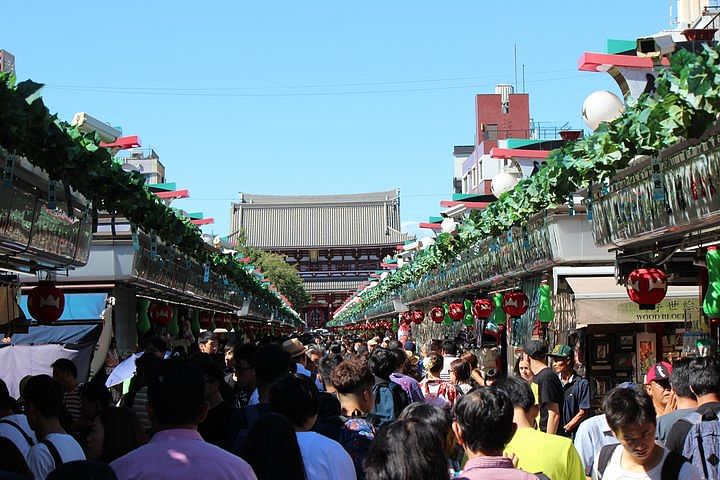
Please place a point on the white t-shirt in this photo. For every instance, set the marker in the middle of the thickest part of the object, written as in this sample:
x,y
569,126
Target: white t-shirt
x,y
324,458
614,471
12,433
445,372
40,459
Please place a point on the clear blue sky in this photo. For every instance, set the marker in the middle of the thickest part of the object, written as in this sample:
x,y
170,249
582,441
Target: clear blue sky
x,y
261,96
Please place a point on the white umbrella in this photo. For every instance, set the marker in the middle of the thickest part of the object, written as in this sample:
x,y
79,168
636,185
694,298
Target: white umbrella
x,y
123,371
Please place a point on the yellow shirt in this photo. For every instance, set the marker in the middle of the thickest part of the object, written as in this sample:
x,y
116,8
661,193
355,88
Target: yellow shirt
x,y
553,455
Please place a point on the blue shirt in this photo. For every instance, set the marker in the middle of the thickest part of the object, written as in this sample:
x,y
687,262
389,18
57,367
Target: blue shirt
x,y
593,434
577,397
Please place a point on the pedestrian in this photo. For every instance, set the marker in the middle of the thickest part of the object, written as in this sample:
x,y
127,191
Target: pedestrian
x,y
436,390
550,390
272,449
242,379
576,391
684,398
12,461
483,426
439,421
116,431
632,418
390,398
137,398
408,384
176,395
208,343
94,396
657,385
557,459
215,426
476,379
449,353
65,373
43,402
353,382
296,398
460,375
407,450
325,367
14,426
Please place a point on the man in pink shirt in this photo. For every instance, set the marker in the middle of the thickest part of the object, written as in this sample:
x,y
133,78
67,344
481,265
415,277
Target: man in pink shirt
x,y
176,406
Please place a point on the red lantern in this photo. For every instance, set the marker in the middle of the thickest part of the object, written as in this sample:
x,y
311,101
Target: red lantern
x,y
418,317
456,311
407,317
437,314
160,314
482,308
46,303
646,287
515,303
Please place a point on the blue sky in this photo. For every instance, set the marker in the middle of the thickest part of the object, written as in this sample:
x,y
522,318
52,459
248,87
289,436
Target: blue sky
x,y
272,97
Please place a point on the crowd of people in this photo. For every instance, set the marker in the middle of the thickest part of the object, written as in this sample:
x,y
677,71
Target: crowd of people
x,y
338,407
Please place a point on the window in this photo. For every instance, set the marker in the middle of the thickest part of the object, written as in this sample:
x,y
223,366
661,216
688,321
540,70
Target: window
x,y
491,131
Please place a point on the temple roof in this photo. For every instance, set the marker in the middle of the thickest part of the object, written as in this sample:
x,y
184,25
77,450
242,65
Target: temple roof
x,y
318,221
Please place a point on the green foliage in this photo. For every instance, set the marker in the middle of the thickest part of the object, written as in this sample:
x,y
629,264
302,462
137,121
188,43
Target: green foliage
x,y
28,129
685,103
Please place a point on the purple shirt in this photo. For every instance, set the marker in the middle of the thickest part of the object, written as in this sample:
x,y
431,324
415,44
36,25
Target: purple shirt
x,y
180,454
495,468
410,385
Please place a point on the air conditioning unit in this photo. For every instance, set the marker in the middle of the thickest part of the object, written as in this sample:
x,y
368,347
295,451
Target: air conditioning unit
x,y
89,124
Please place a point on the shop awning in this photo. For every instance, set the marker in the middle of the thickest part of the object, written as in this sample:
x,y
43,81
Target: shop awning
x,y
78,306
599,300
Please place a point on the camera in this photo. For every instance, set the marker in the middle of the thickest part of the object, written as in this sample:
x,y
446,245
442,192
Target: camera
x,y
654,47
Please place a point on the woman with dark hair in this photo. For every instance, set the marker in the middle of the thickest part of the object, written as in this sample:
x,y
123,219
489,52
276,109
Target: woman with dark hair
x,y
407,450
436,390
476,379
460,375
440,421
116,431
272,449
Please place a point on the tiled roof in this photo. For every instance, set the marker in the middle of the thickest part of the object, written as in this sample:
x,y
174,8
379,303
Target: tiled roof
x,y
332,285
277,222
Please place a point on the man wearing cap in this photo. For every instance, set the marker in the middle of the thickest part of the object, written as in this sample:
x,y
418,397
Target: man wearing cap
x,y
576,403
657,385
550,390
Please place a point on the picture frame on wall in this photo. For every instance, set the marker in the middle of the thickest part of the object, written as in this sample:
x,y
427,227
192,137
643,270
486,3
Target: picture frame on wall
x,y
600,351
623,361
603,385
646,354
626,341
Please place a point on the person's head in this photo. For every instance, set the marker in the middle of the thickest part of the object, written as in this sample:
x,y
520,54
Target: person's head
x,y
471,358
176,394
43,398
436,346
705,377
313,354
630,413
336,348
295,348
296,397
406,449
438,419
156,346
459,371
449,348
535,351
94,397
208,342
326,365
271,364
382,363
393,344
562,359
214,377
372,344
522,369
520,394
272,437
680,378
65,373
116,431
353,382
7,403
229,355
657,384
144,365
434,363
484,421
244,359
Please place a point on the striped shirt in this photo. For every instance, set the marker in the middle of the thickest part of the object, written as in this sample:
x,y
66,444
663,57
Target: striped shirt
x,y
73,404
139,407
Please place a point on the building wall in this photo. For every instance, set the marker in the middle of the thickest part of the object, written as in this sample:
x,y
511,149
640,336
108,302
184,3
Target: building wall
x,y
489,112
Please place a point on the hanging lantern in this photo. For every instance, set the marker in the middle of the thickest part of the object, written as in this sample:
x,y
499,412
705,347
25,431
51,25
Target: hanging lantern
x,y
515,303
456,311
437,314
482,308
499,316
46,303
418,317
646,287
160,314
407,317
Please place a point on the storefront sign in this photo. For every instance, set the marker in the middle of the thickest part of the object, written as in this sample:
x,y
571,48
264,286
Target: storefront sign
x,y
618,310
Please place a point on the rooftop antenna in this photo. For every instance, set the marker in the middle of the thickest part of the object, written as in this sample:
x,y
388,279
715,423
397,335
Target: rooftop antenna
x,y
523,78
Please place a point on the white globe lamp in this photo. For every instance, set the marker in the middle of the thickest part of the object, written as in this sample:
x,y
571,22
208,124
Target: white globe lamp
x,y
601,106
503,182
448,225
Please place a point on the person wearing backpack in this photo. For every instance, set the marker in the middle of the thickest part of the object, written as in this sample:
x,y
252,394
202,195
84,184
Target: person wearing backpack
x,y
705,384
390,398
630,413
44,400
14,426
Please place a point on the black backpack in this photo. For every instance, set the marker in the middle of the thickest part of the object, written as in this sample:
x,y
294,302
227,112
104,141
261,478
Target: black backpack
x,y
670,470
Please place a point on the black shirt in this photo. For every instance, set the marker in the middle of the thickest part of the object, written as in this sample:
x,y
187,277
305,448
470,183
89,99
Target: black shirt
x,y
214,429
550,389
680,429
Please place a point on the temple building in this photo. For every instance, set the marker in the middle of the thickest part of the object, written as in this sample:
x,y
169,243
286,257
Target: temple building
x,y
336,241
